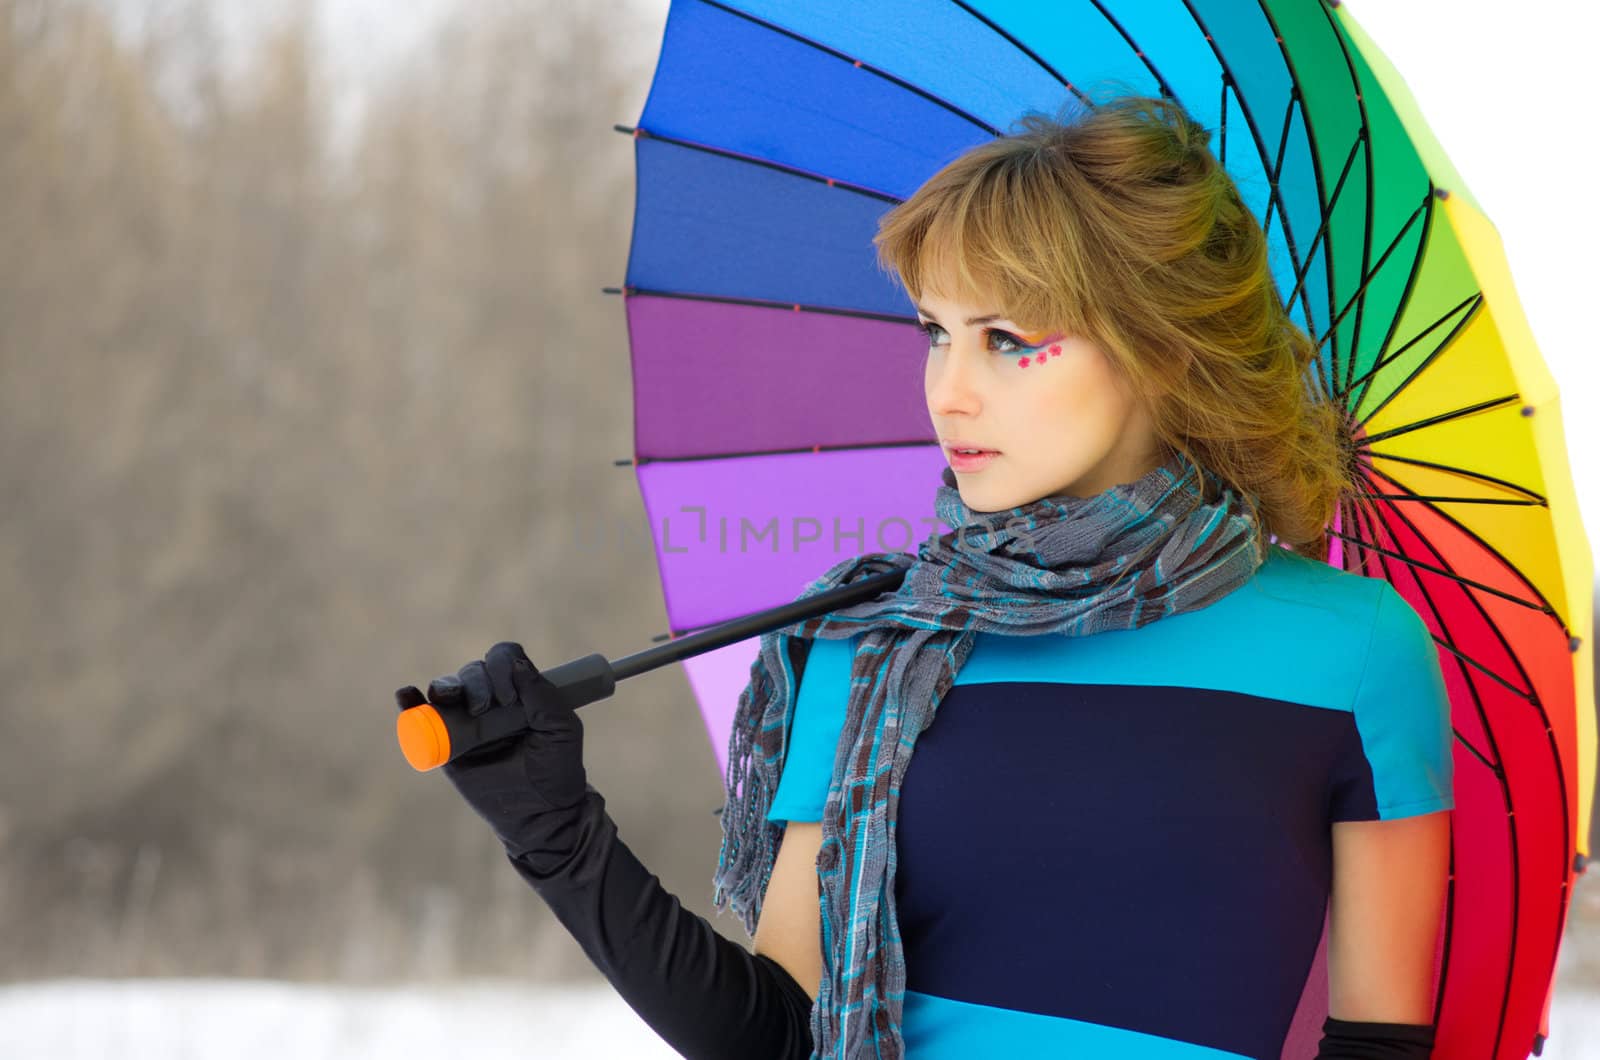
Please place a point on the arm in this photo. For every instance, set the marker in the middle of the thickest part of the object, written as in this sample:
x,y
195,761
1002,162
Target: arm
x,y
1390,879
706,996
790,928
1391,844
1389,885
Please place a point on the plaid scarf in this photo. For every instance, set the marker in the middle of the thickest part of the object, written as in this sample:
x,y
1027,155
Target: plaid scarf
x,y
1176,540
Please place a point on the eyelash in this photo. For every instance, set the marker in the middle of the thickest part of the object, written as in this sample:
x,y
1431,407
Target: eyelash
x,y
928,328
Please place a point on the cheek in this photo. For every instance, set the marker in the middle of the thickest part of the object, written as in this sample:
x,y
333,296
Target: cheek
x,y
1071,391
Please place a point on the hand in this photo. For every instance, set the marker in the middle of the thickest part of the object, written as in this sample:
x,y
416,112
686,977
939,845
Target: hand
x,y
516,784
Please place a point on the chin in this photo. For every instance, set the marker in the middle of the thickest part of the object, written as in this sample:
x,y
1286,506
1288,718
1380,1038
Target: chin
x,y
979,500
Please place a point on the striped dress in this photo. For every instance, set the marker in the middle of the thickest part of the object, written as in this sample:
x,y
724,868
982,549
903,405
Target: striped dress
x,y
1166,837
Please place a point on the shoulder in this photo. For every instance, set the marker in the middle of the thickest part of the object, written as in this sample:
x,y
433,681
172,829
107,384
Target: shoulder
x,y
1400,762
1288,578
1295,631
1291,594
1402,712
1311,633
1401,657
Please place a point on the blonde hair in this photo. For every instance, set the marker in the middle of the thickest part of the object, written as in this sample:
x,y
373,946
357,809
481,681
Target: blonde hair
x,y
1120,225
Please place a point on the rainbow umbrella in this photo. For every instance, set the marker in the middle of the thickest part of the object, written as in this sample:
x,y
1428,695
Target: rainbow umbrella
x,y
779,422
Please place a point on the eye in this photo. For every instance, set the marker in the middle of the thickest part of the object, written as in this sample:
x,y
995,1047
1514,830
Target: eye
x,y
1009,343
1005,336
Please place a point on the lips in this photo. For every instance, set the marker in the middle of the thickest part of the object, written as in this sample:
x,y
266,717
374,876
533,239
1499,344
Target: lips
x,y
953,446
971,463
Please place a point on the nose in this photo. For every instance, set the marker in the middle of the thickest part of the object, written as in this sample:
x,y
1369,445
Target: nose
x,y
952,384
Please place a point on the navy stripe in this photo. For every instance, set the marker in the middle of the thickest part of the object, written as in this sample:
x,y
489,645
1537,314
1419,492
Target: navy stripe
x,y
1166,869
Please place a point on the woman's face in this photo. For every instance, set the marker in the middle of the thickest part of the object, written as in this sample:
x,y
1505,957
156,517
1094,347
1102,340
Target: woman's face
x,y
1049,405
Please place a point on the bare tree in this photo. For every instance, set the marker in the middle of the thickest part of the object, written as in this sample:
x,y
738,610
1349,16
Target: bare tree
x,y
286,426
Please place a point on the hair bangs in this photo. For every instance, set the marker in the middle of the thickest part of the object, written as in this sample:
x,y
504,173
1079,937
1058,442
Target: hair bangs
x,y
985,234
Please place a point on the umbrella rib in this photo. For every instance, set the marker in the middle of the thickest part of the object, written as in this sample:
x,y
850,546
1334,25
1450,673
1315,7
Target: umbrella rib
x,y
1277,161
1029,52
858,64
1483,668
1374,513
1413,562
788,170
1470,303
1368,516
643,460
1555,752
1139,53
1497,771
1275,195
1464,472
1326,212
1322,229
1444,417
1361,564
1304,269
1222,122
1403,301
1449,500
763,303
1369,269
1541,605
1364,127
1358,298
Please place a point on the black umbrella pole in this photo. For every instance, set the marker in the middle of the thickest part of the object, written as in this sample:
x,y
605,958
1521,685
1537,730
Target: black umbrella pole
x,y
429,739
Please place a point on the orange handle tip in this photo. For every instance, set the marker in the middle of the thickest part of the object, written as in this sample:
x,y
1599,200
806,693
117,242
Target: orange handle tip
x,y
423,738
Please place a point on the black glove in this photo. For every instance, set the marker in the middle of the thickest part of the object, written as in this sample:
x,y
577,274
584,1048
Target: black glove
x,y
527,789
707,997
1366,1040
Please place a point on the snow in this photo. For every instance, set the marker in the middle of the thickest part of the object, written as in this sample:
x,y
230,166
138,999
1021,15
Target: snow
x,y
245,1019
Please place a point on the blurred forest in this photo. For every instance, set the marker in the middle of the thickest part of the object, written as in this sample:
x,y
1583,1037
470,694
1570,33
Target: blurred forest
x,y
291,418
295,413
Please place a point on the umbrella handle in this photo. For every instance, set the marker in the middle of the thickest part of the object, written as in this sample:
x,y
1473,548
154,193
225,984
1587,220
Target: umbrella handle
x,y
429,739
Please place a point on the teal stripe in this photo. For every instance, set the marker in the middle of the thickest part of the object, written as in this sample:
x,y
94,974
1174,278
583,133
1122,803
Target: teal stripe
x,y
1297,632
939,1028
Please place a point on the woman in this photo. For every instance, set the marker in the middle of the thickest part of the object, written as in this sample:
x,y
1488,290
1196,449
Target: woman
x,y
1151,749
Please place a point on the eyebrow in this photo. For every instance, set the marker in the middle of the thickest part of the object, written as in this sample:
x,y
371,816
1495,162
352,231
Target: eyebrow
x,y
971,321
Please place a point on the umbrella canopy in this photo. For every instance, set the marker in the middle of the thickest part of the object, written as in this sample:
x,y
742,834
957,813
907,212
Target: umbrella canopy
x,y
780,426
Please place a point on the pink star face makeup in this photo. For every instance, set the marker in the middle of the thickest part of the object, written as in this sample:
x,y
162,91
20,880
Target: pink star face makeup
x,y
1045,347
